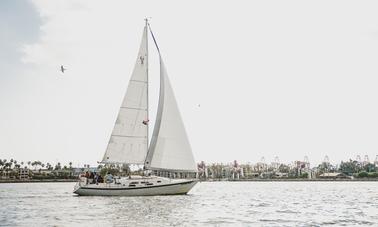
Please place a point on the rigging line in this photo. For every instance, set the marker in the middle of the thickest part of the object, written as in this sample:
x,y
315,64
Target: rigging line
x,y
153,37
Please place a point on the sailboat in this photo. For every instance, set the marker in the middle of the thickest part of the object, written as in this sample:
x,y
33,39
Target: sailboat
x,y
168,160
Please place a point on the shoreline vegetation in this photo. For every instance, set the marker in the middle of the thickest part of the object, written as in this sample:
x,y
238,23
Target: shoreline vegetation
x,y
12,171
209,180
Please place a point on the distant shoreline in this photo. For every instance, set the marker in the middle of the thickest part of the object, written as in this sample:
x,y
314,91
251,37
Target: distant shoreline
x,y
211,180
291,180
39,181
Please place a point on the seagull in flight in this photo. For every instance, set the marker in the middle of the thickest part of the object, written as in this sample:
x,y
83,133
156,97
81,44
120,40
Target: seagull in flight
x,y
62,69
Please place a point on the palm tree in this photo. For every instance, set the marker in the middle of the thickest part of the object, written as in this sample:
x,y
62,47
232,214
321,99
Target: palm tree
x,y
4,162
1,166
39,163
7,167
58,166
70,165
11,163
34,165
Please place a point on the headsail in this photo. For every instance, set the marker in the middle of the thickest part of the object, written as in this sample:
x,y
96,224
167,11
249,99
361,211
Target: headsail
x,y
170,148
129,139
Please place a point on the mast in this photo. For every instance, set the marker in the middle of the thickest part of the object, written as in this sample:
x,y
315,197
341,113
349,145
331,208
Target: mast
x,y
147,161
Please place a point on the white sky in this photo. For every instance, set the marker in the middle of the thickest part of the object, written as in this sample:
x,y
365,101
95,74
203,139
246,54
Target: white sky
x,y
285,78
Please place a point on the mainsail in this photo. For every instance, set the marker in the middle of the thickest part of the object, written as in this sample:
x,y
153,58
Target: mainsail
x,y
170,148
129,139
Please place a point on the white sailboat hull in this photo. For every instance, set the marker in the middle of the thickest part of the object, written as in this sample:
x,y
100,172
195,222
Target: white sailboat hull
x,y
168,187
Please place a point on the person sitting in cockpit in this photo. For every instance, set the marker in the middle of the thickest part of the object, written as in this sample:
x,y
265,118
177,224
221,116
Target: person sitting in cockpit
x,y
109,178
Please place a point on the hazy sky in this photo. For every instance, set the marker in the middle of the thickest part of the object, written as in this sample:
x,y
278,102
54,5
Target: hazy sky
x,y
272,78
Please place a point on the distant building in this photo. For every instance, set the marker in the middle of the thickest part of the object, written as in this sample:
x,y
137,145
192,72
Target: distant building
x,y
4,175
42,172
236,171
333,176
202,170
281,175
23,174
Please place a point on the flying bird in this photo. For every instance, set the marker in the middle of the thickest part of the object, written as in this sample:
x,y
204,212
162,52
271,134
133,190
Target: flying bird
x,y
62,69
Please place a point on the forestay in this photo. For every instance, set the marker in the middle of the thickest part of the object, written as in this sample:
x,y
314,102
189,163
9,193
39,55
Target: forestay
x,y
129,138
170,148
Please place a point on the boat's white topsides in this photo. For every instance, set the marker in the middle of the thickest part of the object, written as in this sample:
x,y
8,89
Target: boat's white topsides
x,y
135,186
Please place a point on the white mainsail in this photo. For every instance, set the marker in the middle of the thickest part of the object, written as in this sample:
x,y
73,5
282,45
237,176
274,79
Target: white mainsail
x,y
129,139
170,148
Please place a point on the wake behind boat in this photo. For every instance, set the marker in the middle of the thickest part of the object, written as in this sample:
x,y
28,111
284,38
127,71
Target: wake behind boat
x,y
168,161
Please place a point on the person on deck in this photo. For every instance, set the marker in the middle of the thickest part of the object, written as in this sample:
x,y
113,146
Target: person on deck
x,y
95,178
86,177
100,179
91,178
109,178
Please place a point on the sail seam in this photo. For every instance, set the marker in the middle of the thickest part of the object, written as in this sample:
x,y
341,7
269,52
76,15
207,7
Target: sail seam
x,y
132,108
130,136
139,81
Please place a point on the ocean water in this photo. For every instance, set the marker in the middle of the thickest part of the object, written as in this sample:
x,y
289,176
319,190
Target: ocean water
x,y
208,204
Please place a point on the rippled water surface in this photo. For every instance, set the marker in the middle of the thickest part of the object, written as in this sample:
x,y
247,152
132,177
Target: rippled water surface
x,y
208,204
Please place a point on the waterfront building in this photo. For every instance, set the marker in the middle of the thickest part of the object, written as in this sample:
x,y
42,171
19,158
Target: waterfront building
x,y
366,160
276,163
248,171
236,171
4,174
202,170
23,174
333,176
281,175
43,172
